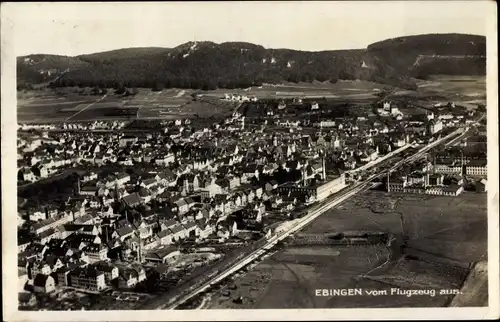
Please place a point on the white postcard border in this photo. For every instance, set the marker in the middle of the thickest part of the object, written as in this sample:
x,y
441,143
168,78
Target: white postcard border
x,y
9,239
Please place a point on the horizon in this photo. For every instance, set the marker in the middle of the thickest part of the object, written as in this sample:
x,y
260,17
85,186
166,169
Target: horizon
x,y
234,41
73,29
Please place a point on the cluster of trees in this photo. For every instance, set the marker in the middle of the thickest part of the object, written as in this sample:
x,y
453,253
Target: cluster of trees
x,y
240,65
425,55
215,66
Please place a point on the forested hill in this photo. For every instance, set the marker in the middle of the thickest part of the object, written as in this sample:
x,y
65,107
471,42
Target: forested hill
x,y
207,65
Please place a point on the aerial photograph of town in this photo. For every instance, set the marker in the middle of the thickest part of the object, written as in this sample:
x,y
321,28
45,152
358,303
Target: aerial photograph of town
x,y
231,175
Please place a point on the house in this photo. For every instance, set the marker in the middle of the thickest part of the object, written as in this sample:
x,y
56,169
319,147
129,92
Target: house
x,y
88,190
87,278
127,140
23,241
258,192
128,277
215,187
89,176
167,177
25,174
37,215
132,200
141,272
204,229
47,235
167,224
178,232
63,276
223,234
162,255
110,271
165,160
44,283
166,237
482,185
96,252
122,178
149,183
41,170
145,195
190,228
123,232
183,205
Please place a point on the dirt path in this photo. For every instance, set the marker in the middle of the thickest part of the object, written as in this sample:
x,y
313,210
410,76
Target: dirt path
x,y
86,107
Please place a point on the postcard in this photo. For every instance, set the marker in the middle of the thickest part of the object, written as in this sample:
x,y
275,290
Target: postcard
x,y
292,160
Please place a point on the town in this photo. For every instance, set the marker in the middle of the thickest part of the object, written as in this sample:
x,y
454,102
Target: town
x,y
125,214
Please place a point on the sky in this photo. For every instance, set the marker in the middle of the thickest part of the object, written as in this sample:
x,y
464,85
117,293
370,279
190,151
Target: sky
x,y
80,28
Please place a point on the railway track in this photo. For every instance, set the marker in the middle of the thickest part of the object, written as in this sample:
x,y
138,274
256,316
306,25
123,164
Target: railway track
x,y
312,214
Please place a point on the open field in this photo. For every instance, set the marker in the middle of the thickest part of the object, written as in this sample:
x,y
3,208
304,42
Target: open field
x,y
46,106
341,89
448,232
463,89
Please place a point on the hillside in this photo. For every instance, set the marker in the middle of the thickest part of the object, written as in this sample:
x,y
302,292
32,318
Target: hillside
x,y
206,65
423,55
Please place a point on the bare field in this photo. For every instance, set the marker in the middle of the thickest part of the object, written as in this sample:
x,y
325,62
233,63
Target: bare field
x,y
307,90
46,106
455,88
441,225
445,230
289,279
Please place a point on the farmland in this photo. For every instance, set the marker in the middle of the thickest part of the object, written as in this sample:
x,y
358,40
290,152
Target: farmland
x,y
445,235
464,90
46,106
69,104
315,90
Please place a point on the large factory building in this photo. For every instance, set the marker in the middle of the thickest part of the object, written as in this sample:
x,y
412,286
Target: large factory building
x,y
319,190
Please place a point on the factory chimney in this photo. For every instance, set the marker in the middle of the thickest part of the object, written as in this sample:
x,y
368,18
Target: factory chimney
x,y
388,181
426,178
324,168
462,165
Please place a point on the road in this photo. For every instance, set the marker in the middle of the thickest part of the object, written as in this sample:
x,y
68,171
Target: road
x,y
313,213
86,107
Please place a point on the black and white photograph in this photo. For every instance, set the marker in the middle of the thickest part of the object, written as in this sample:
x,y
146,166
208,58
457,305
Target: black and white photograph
x,y
247,160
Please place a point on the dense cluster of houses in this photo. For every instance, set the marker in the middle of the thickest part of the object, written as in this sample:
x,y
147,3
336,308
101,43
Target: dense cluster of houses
x,y
183,185
202,187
